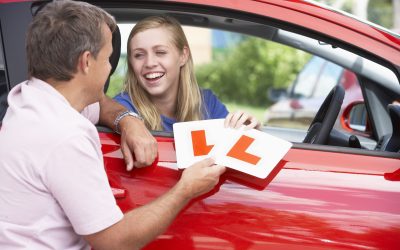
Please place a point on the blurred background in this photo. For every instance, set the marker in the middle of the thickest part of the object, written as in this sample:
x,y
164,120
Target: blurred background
x,y
383,12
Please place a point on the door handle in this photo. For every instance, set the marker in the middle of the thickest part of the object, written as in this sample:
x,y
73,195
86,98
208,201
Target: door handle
x,y
118,192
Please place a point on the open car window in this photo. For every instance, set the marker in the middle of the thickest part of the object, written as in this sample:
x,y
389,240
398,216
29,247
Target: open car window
x,y
307,78
241,63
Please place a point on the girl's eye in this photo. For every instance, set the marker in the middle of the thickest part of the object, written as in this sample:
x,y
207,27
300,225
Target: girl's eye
x,y
138,55
161,52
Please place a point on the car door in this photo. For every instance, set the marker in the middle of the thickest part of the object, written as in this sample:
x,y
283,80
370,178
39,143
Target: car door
x,y
320,196
318,199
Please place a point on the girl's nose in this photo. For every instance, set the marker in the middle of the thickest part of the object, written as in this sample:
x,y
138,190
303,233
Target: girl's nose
x,y
151,60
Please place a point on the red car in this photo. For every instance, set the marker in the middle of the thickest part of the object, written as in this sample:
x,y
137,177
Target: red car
x,y
330,191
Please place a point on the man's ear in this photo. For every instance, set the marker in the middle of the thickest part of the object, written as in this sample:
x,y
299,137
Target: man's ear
x,y
84,62
184,56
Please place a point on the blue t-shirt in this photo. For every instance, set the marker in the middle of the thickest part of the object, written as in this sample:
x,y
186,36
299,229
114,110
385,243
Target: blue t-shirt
x,y
212,107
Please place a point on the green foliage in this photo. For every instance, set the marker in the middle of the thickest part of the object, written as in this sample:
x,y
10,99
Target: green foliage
x,y
115,86
117,78
245,73
381,12
258,112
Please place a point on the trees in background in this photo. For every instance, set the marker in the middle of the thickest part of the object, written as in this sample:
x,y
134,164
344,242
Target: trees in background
x,y
245,73
396,11
383,12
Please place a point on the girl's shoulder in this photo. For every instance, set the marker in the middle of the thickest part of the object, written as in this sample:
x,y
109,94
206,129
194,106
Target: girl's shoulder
x,y
207,94
213,108
124,99
122,95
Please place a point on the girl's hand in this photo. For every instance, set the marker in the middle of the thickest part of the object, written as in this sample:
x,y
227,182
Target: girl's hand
x,y
238,118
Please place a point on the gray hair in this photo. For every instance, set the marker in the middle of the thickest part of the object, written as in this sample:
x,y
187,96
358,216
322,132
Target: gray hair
x,y
60,33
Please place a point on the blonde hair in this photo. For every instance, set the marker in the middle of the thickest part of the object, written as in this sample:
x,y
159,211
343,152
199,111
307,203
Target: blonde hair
x,y
189,100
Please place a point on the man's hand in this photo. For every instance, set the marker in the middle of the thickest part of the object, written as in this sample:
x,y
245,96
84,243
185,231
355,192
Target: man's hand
x,y
136,139
200,178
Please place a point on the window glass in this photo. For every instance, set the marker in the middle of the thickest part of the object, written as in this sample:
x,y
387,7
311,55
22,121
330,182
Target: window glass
x,y
329,77
307,78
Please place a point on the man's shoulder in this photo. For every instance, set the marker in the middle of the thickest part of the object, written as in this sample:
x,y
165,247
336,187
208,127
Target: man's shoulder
x,y
41,115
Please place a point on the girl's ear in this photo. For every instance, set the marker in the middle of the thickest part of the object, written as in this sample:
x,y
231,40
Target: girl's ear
x,y
184,56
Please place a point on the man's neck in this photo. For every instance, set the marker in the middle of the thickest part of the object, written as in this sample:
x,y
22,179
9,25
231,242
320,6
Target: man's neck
x,y
72,93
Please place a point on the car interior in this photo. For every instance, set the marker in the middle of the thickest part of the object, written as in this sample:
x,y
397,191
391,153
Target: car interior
x,y
380,85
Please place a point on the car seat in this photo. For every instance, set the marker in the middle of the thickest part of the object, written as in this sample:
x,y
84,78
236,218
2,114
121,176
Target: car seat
x,y
391,142
114,58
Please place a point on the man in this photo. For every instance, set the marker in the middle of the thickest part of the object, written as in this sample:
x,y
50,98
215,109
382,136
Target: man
x,y
54,192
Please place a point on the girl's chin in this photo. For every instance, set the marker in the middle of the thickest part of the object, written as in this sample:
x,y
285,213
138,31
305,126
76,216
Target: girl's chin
x,y
154,91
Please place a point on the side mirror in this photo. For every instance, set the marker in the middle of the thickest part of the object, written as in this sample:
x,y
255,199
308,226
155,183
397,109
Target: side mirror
x,y
355,118
275,95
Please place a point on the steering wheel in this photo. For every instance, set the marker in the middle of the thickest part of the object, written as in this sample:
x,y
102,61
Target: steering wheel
x,y
321,126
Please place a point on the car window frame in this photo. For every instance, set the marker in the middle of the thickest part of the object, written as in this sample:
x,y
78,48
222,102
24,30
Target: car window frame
x,y
4,88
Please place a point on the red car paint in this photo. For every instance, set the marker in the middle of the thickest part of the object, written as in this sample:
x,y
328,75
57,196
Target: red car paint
x,y
318,200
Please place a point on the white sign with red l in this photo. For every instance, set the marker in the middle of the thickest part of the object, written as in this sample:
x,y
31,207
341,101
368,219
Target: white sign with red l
x,y
249,151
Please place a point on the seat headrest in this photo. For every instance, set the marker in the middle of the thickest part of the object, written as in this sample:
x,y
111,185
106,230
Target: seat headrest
x,y
114,58
392,141
116,43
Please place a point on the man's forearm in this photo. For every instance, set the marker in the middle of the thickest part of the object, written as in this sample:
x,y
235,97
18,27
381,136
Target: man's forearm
x,y
109,110
154,218
143,224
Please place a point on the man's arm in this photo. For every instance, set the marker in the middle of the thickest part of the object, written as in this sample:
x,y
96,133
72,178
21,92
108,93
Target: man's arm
x,y
143,224
135,137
